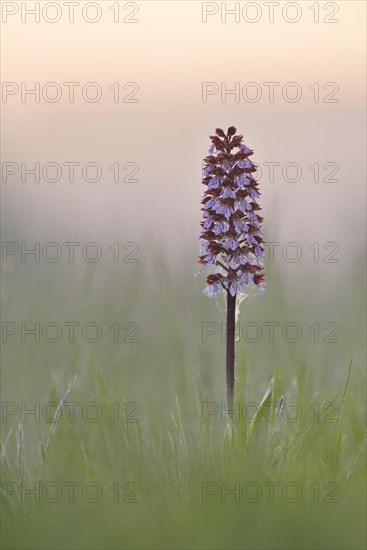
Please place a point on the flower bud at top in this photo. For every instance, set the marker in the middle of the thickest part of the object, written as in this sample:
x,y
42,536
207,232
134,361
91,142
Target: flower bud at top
x,y
231,227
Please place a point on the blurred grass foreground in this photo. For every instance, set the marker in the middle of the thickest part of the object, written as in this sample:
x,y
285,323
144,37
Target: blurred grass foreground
x,y
116,435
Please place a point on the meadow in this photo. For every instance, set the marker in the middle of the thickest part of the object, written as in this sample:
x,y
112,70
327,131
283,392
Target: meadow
x,y
114,428
129,444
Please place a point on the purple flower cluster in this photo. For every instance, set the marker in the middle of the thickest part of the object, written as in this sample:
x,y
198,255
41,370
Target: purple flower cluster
x,y
231,228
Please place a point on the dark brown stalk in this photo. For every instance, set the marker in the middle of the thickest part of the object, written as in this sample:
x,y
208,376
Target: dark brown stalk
x,y
230,348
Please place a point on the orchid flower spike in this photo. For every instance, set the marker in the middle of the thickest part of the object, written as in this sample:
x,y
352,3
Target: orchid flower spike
x,y
231,233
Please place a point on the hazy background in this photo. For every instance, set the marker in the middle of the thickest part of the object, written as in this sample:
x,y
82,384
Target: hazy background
x,y
169,52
